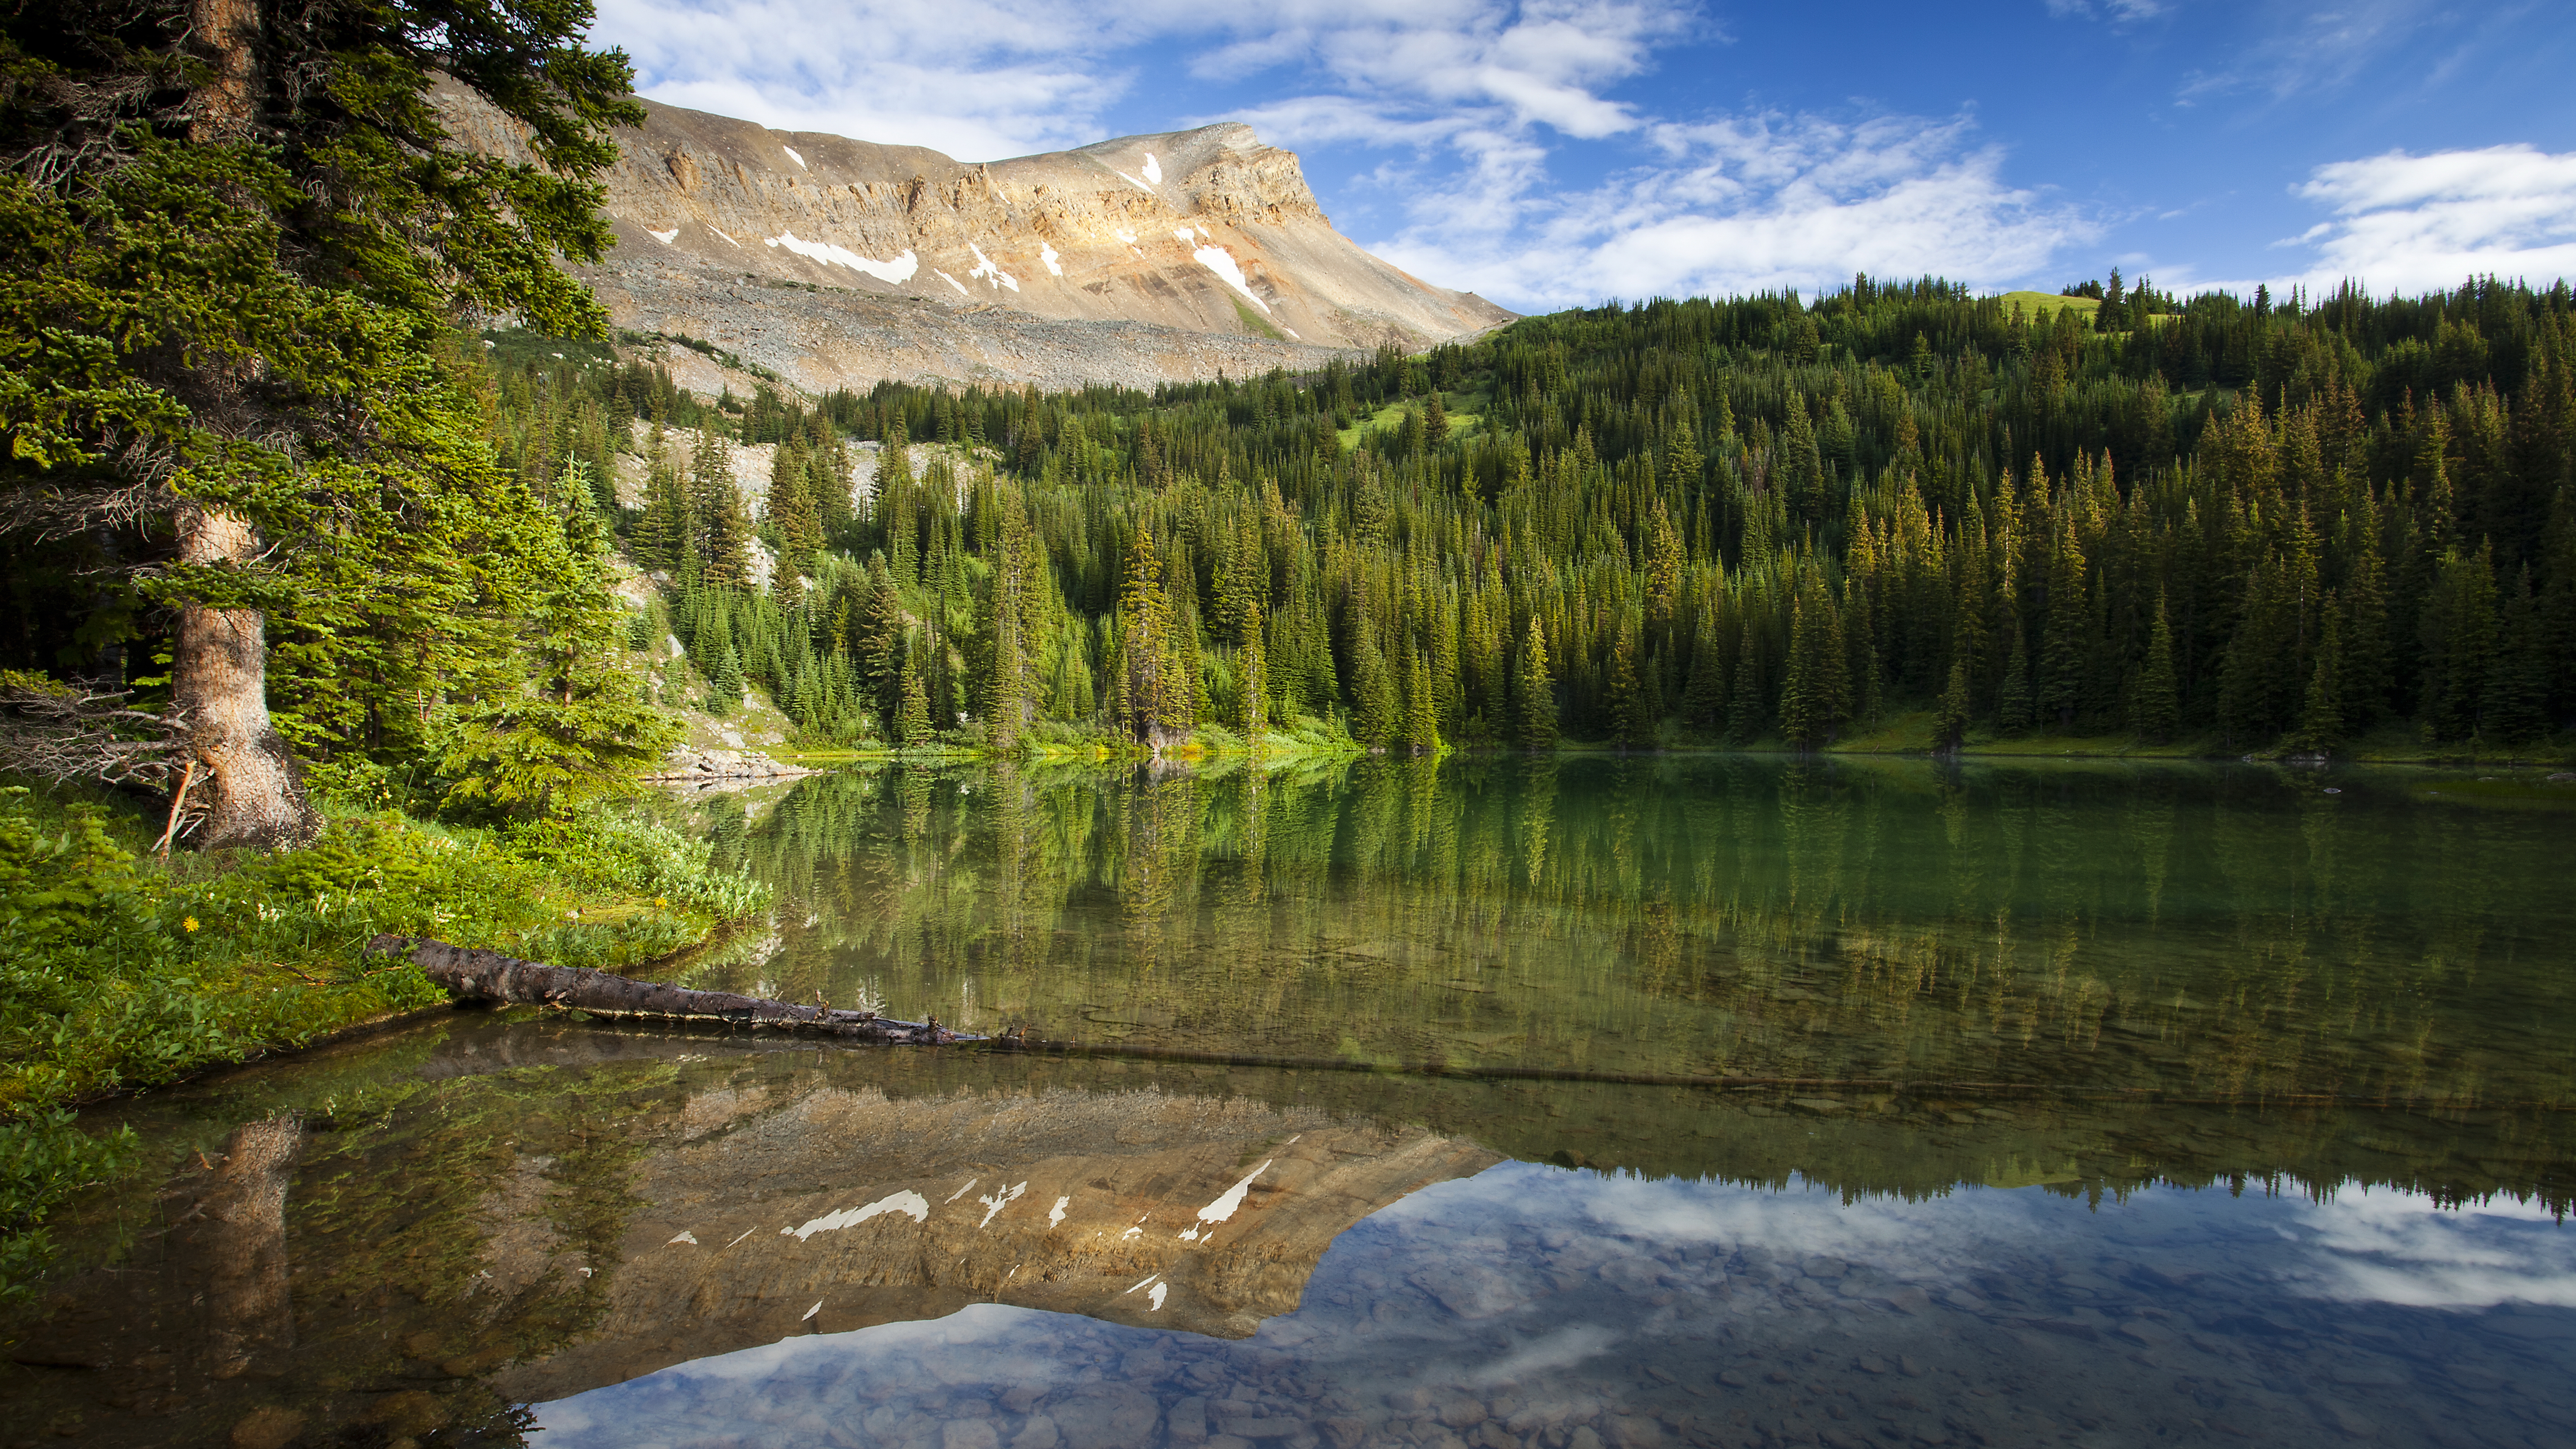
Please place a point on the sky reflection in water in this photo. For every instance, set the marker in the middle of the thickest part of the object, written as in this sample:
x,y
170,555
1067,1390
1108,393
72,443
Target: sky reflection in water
x,y
1529,1305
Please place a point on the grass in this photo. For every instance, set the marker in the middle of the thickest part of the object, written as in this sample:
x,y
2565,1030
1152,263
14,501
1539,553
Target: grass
x,y
2035,305
1391,416
121,971
1255,322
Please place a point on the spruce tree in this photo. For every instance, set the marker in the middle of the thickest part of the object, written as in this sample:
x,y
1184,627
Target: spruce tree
x,y
2155,706
1704,698
1630,724
912,720
2513,706
1746,707
1421,707
2013,701
1815,697
2321,717
1534,691
1376,708
1950,721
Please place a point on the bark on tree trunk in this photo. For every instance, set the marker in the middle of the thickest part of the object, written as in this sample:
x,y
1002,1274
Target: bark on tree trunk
x,y
225,33
491,976
254,790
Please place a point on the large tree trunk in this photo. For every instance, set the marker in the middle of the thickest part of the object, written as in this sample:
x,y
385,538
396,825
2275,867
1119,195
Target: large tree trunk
x,y
254,790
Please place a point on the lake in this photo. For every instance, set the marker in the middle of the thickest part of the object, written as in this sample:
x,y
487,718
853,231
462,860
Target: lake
x,y
1592,1101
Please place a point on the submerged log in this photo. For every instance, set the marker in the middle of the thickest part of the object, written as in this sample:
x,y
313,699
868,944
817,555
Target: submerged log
x,y
490,976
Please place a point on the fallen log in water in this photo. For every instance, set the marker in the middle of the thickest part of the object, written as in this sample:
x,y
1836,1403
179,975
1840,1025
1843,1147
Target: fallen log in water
x,y
491,976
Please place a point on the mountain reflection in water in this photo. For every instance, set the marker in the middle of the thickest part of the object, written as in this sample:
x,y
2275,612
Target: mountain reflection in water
x,y
2022,1141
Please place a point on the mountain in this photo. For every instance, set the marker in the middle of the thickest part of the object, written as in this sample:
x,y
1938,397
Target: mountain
x,y
838,263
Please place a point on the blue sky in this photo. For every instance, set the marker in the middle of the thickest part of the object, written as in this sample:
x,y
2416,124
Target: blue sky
x,y
1555,154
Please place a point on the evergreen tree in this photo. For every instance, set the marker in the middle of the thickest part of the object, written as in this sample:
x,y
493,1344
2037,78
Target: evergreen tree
x,y
912,721
1950,721
1745,712
2513,706
1704,701
1376,709
1421,710
2155,708
238,237
2013,701
1815,698
2321,717
1630,722
1534,692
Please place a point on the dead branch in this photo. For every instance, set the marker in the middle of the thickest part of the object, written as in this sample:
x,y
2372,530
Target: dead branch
x,y
62,732
491,976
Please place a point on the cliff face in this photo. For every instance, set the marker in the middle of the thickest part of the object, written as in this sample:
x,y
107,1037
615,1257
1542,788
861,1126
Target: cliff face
x,y
838,262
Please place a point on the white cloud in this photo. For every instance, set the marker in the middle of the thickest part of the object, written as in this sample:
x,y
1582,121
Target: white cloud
x,y
2387,1246
2306,49
2115,11
1745,204
2414,223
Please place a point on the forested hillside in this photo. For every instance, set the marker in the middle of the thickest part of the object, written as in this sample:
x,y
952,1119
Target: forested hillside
x,y
2263,524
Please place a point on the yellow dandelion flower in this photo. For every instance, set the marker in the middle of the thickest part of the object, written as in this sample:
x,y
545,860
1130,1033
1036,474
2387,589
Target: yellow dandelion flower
x,y
189,924
658,901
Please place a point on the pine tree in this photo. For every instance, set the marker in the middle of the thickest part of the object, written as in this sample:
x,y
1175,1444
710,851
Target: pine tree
x,y
1704,700
1252,668
912,722
2458,644
2013,701
2064,647
718,523
1815,698
1147,652
791,511
1630,723
2321,717
1950,721
724,682
1746,711
1534,692
2513,706
1663,569
1376,709
1421,706
2155,708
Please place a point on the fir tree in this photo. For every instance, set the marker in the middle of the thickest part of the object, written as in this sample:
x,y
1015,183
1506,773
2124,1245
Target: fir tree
x,y
2013,701
1421,710
2155,709
2321,717
1630,723
1950,721
2513,706
912,721
1745,712
1376,709
1815,698
1534,692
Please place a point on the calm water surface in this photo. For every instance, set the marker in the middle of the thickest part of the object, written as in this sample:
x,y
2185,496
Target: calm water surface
x,y
1604,1102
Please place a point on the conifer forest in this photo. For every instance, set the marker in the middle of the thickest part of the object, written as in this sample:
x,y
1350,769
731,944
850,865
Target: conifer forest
x,y
2268,525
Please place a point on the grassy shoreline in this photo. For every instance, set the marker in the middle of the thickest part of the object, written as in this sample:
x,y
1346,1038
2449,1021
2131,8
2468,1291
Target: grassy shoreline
x,y
121,971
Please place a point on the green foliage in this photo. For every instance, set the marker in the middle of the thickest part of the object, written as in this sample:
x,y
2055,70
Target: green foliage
x,y
118,971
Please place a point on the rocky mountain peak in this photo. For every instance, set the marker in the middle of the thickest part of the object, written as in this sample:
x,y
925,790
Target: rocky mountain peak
x,y
863,260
